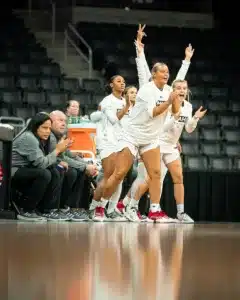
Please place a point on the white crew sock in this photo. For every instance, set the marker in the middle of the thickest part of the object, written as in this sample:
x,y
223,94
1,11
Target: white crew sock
x,y
126,200
180,208
103,202
94,204
114,199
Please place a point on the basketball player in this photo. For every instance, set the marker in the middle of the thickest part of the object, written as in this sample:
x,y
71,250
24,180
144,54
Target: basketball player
x,y
140,185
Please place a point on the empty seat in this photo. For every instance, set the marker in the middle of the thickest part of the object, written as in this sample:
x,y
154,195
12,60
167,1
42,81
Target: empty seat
x,y
4,112
70,84
35,98
218,104
211,134
57,99
228,121
44,109
211,149
29,69
38,57
221,92
84,98
27,82
11,96
237,164
7,82
97,98
235,106
91,85
4,67
198,91
196,163
208,120
24,112
231,149
194,136
220,163
196,103
51,70
48,83
231,134
190,148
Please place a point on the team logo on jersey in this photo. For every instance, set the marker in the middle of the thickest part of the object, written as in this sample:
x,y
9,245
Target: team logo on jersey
x,y
160,101
182,119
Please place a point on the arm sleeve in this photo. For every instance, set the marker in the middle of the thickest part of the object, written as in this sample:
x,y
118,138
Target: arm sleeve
x,y
144,73
183,70
30,149
191,123
77,164
96,116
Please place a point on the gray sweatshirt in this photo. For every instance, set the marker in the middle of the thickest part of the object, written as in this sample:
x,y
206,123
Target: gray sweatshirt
x,y
67,156
27,152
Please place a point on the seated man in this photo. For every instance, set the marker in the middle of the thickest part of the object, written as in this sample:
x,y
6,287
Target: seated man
x,y
75,169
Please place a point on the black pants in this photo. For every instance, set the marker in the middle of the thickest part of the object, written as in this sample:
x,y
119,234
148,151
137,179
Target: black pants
x,y
72,188
40,188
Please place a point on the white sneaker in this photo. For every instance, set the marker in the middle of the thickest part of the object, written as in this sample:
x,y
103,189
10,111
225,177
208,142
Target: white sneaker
x,y
131,214
184,218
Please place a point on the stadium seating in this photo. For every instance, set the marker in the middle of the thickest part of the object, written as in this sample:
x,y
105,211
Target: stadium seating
x,y
31,82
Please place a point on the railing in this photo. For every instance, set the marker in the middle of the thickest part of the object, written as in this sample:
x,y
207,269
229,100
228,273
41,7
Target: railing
x,y
53,15
70,35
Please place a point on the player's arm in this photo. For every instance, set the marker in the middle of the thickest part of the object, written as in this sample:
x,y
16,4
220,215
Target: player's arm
x,y
189,51
143,70
192,122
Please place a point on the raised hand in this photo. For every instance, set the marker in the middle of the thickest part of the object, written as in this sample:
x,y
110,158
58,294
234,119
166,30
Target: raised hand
x,y
189,51
140,32
199,114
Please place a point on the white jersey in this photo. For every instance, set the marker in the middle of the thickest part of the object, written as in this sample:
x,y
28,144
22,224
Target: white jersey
x,y
173,128
141,124
110,124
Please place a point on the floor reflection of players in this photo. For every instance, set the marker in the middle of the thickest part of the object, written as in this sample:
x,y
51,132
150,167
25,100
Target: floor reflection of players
x,y
112,263
138,262
50,265
159,268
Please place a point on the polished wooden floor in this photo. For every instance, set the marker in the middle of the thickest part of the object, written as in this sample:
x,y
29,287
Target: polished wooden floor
x,y
119,261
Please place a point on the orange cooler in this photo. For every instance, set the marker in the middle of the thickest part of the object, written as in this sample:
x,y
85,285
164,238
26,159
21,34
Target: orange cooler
x,y
84,136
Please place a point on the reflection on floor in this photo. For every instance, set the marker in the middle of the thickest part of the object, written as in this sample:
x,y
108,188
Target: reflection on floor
x,y
119,261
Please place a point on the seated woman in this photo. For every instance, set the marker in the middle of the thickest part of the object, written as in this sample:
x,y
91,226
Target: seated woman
x,y
74,113
36,172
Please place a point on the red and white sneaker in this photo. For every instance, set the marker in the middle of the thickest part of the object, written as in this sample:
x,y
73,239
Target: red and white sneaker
x,y
120,208
97,214
159,217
